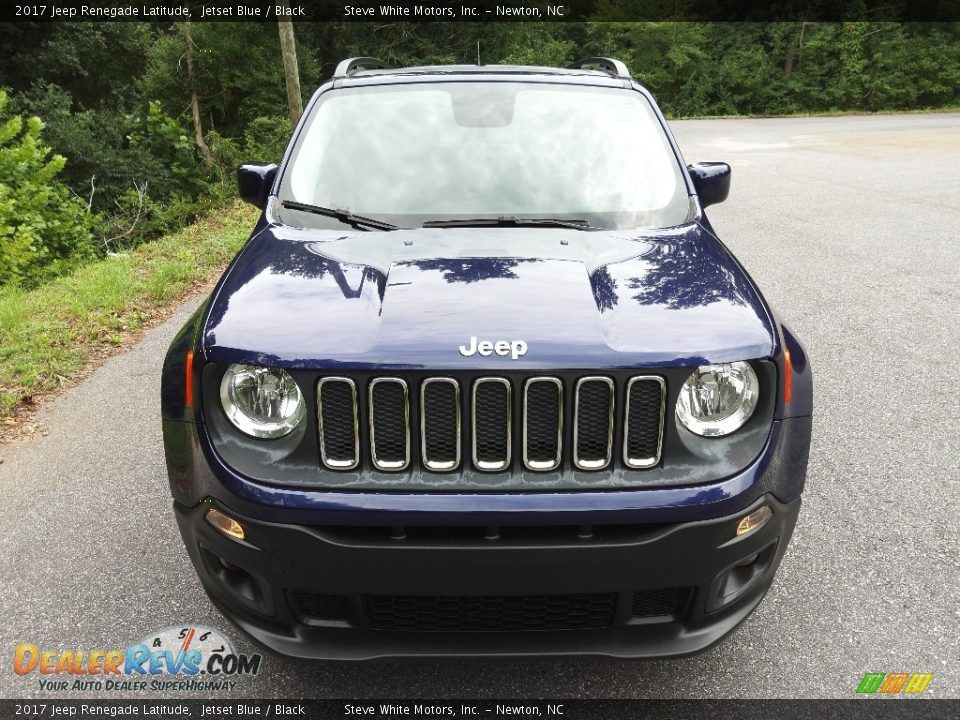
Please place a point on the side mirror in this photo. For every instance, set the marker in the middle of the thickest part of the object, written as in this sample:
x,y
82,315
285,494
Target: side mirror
x,y
254,181
711,180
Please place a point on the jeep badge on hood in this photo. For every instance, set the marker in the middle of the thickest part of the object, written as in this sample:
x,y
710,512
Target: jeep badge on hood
x,y
514,348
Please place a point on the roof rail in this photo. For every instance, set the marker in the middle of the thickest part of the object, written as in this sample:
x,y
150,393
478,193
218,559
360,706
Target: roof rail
x,y
610,65
351,65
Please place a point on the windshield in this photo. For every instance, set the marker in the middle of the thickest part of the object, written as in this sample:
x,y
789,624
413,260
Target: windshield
x,y
414,153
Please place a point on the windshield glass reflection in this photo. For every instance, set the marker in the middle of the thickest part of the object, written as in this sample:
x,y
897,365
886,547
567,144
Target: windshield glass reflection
x,y
440,151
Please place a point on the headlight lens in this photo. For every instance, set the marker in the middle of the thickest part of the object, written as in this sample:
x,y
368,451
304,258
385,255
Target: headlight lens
x,y
262,402
716,400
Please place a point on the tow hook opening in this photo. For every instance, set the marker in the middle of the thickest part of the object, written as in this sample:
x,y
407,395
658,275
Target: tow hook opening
x,y
739,578
237,581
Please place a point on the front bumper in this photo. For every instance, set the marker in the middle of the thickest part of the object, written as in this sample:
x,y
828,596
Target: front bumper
x,y
351,592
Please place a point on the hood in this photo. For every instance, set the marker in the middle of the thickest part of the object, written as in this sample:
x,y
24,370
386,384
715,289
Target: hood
x,y
412,298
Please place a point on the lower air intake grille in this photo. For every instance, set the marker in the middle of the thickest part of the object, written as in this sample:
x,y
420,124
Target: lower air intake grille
x,y
322,606
490,612
659,602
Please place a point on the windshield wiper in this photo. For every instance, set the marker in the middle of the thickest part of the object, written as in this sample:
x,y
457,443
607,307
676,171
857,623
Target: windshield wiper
x,y
344,216
508,221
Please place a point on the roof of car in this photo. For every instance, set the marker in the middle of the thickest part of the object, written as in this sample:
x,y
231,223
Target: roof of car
x,y
478,70
592,70
526,73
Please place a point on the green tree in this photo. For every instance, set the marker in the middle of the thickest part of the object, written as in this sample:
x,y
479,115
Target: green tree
x,y
410,43
44,229
97,64
238,73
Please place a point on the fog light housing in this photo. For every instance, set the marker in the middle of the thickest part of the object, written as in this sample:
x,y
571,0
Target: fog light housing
x,y
225,524
754,521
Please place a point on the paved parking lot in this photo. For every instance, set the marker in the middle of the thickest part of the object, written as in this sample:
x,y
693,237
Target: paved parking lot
x,y
850,226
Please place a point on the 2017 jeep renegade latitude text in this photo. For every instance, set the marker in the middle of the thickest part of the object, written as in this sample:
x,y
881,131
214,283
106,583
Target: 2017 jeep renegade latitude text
x,y
483,380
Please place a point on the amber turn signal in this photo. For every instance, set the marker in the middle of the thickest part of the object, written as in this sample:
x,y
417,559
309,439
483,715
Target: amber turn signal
x,y
754,521
788,376
188,380
225,524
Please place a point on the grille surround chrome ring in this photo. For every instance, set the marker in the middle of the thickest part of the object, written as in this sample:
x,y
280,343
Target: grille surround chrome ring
x,y
327,461
432,465
389,465
486,465
539,465
579,463
643,463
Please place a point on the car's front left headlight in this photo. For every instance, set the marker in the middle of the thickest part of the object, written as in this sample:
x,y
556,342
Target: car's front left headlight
x,y
717,400
260,401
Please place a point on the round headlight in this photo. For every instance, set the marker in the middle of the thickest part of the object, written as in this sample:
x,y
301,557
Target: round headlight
x,y
716,400
259,401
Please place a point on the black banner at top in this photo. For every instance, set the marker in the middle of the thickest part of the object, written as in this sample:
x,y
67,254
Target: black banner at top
x,y
481,10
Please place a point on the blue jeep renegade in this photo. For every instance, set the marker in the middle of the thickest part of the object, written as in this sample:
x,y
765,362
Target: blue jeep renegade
x,y
483,381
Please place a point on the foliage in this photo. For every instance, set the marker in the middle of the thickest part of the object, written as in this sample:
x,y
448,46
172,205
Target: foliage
x,y
163,138
44,230
266,138
96,64
238,71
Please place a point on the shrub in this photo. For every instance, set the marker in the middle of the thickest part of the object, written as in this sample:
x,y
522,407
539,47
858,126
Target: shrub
x,y
266,138
44,229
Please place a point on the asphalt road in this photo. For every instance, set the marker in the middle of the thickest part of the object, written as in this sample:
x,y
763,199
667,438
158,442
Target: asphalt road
x,y
849,225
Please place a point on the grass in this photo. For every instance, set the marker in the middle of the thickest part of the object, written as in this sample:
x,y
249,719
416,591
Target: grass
x,y
52,335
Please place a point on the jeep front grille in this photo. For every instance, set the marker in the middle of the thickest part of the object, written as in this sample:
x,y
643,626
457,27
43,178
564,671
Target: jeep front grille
x,y
492,427
389,424
644,416
593,423
440,423
393,423
339,431
542,423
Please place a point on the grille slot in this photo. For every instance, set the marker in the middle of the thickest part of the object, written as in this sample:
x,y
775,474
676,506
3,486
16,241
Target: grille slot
x,y
389,424
490,612
542,423
322,607
337,413
440,423
643,421
492,430
593,423
660,602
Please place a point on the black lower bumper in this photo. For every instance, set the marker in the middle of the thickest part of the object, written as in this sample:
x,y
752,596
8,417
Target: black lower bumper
x,y
352,593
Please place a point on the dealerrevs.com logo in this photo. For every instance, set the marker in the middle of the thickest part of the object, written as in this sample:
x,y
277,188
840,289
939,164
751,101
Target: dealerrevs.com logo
x,y
176,658
894,683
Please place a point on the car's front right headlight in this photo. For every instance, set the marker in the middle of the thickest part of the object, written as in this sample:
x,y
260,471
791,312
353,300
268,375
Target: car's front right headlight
x,y
260,401
717,400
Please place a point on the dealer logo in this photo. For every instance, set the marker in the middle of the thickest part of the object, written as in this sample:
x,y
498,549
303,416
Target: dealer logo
x,y
174,658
